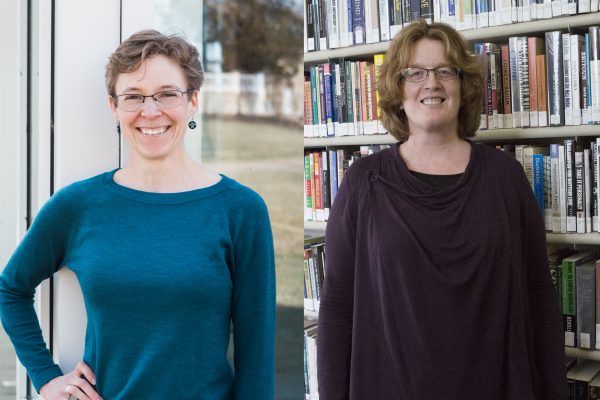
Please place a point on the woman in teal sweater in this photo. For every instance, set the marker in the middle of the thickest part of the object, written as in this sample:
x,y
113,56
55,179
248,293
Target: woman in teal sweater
x,y
168,254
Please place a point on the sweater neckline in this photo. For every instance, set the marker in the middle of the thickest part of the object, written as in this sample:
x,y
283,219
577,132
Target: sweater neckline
x,y
164,198
424,188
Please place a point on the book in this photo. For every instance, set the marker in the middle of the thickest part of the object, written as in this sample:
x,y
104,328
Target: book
x,y
570,185
554,66
586,305
594,70
569,294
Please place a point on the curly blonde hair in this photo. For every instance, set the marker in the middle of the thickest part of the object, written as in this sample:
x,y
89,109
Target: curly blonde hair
x,y
391,83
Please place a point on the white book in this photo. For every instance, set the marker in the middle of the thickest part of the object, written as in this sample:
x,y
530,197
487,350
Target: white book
x,y
523,71
384,20
333,24
526,9
556,8
562,193
584,6
343,16
506,12
587,190
577,41
566,41
594,8
564,7
547,9
594,49
579,194
371,21
368,22
554,177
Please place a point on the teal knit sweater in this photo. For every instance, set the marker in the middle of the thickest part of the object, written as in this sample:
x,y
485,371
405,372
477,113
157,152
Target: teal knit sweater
x,y
163,276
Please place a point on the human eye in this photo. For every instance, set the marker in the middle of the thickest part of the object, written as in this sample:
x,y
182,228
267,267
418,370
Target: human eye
x,y
168,94
446,72
133,98
415,73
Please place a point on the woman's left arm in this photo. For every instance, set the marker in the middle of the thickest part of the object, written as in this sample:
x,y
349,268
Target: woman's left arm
x,y
253,302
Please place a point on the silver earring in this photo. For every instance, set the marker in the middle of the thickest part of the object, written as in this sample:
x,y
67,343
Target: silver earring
x,y
118,128
192,124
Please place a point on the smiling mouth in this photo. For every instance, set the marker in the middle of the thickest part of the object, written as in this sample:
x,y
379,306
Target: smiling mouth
x,y
433,100
153,131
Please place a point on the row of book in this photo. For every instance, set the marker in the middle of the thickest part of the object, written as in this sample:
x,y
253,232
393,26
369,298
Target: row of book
x,y
330,24
583,377
529,82
311,386
576,276
340,98
323,173
314,272
533,82
564,178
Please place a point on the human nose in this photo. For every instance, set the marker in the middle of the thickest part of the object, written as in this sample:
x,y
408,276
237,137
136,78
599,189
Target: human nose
x,y
149,106
431,79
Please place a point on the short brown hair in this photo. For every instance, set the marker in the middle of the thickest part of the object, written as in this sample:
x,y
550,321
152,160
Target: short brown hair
x,y
148,43
391,85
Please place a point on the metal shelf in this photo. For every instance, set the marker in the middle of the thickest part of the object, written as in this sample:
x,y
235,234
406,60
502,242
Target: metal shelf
x,y
565,22
491,135
582,353
315,226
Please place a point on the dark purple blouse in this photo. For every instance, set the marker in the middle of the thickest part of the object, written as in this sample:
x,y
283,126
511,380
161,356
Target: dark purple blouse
x,y
438,293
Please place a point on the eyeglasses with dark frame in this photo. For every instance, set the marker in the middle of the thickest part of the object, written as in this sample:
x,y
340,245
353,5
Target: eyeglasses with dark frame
x,y
164,100
443,73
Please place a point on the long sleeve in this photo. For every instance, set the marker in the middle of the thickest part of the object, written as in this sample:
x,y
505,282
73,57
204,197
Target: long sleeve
x,y
37,257
546,318
253,303
334,339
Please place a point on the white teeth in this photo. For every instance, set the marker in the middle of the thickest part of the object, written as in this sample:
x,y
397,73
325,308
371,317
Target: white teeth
x,y
436,100
153,132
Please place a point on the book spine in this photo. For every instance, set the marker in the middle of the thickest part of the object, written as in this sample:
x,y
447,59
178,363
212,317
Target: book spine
x,y
358,21
547,194
538,181
325,177
576,78
310,25
597,303
333,28
569,303
323,37
554,65
523,71
533,90
566,42
406,12
308,189
506,90
333,174
515,87
570,185
384,20
594,34
579,195
349,98
328,96
584,84
587,190
397,14
426,11
542,90
586,306
318,192
594,180
562,182
554,176
415,10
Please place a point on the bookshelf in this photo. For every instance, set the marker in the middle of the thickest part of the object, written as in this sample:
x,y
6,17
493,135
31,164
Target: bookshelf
x,y
567,23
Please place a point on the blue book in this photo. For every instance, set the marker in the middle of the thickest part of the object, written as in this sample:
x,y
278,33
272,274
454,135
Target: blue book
x,y
328,98
358,21
333,173
538,181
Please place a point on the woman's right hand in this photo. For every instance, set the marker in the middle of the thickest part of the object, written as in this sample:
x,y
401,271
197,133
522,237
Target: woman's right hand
x,y
72,384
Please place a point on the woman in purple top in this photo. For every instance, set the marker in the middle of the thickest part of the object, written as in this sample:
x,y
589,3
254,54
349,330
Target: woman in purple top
x,y
437,283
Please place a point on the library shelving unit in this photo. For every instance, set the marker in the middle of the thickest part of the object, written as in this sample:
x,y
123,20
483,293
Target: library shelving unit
x,y
566,23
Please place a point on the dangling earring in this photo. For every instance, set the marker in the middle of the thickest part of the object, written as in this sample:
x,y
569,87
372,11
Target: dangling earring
x,y
192,124
118,128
